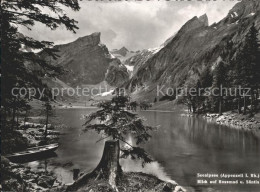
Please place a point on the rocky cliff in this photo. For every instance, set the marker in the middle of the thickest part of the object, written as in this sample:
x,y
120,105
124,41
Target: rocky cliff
x,y
86,61
117,74
195,46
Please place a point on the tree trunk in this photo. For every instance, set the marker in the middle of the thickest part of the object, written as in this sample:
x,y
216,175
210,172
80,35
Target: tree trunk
x,y
108,168
244,111
252,102
220,106
13,118
189,107
256,100
3,118
193,108
109,163
46,124
238,106
17,120
25,117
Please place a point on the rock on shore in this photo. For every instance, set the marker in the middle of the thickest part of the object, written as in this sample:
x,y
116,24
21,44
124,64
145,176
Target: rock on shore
x,y
235,120
34,132
16,177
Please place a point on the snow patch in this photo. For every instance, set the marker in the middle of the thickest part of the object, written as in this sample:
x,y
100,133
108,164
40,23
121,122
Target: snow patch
x,y
235,23
23,48
155,50
111,56
251,14
235,13
129,68
13,25
105,93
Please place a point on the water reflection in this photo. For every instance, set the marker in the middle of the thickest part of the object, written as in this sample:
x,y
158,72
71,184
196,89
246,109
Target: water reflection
x,y
189,145
182,146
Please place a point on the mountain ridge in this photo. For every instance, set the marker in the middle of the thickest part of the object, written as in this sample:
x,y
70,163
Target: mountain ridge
x,y
195,46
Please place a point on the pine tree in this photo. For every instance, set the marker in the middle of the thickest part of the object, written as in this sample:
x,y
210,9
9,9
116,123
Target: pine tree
x,y
47,112
218,83
247,66
206,77
251,51
188,96
237,78
114,122
26,108
257,75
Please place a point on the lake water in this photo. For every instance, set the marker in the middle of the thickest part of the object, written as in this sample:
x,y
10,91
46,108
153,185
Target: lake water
x,y
182,147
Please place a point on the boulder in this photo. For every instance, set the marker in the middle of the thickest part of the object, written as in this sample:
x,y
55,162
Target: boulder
x,y
169,187
46,181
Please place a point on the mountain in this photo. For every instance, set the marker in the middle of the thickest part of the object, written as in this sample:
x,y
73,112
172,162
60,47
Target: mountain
x,y
122,54
123,51
195,46
117,74
139,59
86,61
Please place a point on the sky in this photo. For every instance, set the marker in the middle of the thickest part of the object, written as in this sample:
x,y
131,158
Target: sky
x,y
136,25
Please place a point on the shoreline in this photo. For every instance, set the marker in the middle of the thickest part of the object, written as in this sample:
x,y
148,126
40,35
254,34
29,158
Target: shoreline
x,y
229,119
233,120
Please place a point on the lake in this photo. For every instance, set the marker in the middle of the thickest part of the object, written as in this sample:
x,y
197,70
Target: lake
x,y
182,147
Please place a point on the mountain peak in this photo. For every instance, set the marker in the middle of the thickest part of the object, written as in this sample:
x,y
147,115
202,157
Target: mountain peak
x,y
194,23
92,39
204,19
124,49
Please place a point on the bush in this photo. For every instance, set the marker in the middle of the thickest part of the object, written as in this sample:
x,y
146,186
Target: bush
x,y
13,142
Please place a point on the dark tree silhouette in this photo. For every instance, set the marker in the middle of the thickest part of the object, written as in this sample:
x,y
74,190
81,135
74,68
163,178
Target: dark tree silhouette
x,y
206,77
218,81
25,13
247,66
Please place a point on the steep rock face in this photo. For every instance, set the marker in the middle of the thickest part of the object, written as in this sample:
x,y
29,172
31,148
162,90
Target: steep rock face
x,y
195,46
204,19
194,24
139,59
117,74
242,10
85,60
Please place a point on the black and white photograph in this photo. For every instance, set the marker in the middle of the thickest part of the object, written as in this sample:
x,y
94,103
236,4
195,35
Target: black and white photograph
x,y
130,96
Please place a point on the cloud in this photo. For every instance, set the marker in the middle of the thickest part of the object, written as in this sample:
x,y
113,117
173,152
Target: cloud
x,y
133,24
